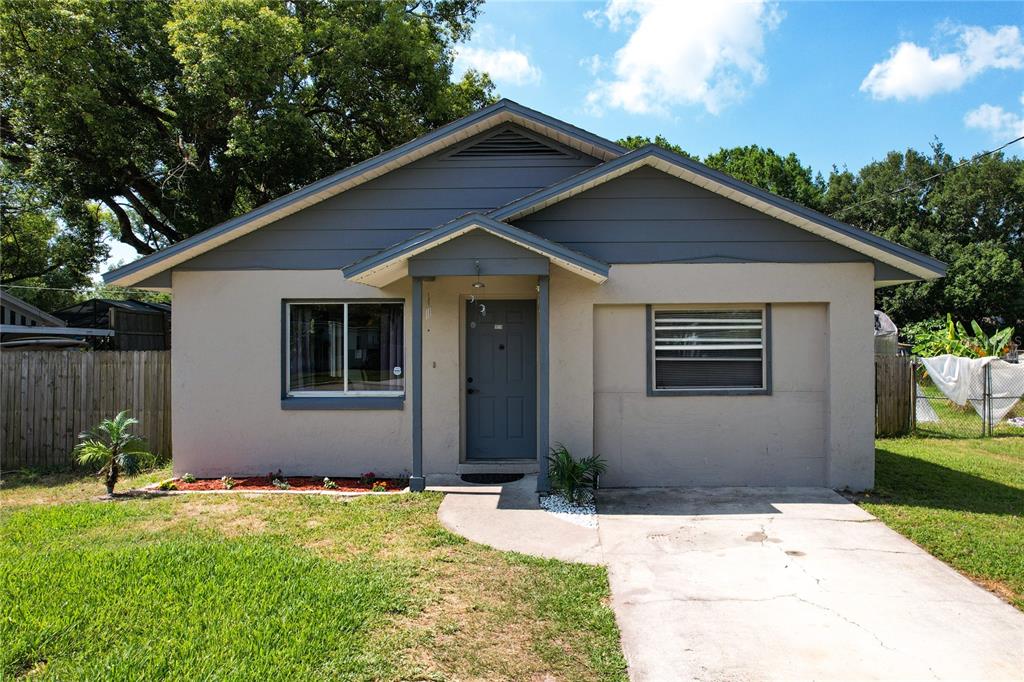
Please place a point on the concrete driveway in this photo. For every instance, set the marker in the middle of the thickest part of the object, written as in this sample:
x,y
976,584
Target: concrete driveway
x,y
791,584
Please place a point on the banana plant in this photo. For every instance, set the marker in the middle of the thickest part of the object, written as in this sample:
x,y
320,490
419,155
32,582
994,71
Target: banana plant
x,y
954,339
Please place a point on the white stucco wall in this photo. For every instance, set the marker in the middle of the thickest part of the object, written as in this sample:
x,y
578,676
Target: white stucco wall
x,y
226,383
841,292
227,377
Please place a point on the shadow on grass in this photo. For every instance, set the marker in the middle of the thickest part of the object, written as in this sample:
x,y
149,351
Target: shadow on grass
x,y
905,480
13,480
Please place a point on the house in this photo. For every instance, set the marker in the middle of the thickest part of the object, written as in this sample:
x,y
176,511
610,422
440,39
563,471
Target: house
x,y
509,281
23,325
136,325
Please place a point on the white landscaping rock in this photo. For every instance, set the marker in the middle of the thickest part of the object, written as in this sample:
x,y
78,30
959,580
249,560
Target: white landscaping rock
x,y
581,514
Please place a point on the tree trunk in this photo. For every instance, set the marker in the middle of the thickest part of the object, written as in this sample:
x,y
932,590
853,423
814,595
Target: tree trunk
x,y
111,480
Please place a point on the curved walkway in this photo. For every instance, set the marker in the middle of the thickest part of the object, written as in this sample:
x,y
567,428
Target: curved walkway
x,y
761,584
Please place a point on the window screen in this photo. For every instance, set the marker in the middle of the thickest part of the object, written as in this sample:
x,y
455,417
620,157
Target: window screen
x,y
345,349
708,349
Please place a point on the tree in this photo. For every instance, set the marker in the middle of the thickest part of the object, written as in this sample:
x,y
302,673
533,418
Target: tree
x,y
113,448
51,251
175,115
763,168
636,141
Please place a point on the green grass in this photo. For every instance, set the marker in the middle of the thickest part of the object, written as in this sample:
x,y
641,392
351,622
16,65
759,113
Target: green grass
x,y
281,587
962,500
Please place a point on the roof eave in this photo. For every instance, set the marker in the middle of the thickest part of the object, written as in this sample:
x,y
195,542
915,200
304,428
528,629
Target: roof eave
x,y
914,262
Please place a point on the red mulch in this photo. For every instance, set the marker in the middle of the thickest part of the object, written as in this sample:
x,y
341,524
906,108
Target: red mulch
x,y
345,485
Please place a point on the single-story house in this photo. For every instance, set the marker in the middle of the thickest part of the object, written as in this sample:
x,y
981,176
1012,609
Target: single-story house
x,y
509,281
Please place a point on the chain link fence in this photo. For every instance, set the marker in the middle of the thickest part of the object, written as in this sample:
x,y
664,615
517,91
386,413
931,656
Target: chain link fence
x,y
988,404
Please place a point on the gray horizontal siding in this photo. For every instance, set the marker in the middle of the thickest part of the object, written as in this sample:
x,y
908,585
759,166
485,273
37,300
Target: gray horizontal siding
x,y
648,216
391,209
496,256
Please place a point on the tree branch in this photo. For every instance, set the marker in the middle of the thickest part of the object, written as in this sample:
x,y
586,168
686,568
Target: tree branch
x,y
127,235
150,218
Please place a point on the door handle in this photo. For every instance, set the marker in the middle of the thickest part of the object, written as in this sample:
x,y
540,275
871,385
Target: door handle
x,y
470,390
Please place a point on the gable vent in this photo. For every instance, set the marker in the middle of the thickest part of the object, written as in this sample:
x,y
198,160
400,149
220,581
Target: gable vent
x,y
508,143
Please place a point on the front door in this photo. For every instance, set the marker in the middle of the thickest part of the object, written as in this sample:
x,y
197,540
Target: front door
x,y
501,380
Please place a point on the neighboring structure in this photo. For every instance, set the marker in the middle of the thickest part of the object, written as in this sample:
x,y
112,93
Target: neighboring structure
x,y
137,325
22,325
509,281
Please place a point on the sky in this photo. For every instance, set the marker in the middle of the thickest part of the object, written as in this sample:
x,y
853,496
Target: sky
x,y
837,83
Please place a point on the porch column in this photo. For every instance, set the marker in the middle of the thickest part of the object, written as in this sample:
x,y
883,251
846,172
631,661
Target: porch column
x,y
417,483
543,370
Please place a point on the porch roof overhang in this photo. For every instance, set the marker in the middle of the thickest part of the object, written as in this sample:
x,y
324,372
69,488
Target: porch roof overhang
x,y
392,263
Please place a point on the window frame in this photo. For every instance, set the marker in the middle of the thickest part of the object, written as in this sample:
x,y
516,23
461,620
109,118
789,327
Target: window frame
x,y
766,352
315,400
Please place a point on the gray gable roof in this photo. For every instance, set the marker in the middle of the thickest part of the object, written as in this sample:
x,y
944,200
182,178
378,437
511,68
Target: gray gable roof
x,y
503,111
878,248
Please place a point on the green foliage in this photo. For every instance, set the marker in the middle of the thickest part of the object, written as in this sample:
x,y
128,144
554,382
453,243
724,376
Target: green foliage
x,y
227,482
636,141
329,484
379,487
764,168
188,478
167,484
575,479
177,115
111,448
953,338
46,247
281,484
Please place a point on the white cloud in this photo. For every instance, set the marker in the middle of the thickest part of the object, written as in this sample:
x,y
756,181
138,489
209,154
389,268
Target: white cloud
x,y
706,53
502,64
912,71
1003,125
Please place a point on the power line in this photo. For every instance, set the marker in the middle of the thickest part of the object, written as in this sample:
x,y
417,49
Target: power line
x,y
77,291
929,178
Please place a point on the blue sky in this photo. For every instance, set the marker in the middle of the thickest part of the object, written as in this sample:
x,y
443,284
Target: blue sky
x,y
791,76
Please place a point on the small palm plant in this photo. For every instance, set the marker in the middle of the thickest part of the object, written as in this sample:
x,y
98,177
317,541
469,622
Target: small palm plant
x,y
114,449
575,479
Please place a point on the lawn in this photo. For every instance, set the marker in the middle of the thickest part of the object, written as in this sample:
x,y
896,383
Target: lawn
x,y
243,586
962,500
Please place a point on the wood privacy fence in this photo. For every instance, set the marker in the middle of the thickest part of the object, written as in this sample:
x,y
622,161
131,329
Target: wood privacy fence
x,y
49,397
894,395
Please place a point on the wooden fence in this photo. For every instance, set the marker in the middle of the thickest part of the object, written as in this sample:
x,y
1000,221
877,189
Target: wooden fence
x,y
49,397
894,395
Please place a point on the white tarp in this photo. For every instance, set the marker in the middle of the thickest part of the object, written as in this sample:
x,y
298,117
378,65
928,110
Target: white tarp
x,y
962,380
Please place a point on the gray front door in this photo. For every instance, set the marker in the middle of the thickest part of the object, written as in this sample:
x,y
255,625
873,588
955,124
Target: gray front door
x,y
501,380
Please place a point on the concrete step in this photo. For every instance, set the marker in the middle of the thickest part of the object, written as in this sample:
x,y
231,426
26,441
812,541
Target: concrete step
x,y
499,466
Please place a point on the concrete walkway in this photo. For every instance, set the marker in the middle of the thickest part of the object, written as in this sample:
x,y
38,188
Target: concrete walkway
x,y
763,584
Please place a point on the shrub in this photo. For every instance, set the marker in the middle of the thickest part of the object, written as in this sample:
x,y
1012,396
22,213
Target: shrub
x,y
168,484
952,338
367,478
280,484
114,449
227,482
575,479
188,478
329,484
379,487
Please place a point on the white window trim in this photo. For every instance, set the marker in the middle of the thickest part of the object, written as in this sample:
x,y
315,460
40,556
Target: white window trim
x,y
764,325
289,393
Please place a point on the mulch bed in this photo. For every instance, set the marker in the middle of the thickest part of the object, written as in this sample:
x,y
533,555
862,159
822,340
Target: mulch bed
x,y
345,485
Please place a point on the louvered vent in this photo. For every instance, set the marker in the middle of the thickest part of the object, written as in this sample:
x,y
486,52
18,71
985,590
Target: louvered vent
x,y
508,143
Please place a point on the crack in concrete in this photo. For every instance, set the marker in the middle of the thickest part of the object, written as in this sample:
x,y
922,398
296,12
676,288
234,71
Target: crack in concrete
x,y
844,618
